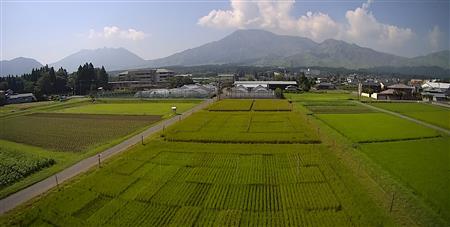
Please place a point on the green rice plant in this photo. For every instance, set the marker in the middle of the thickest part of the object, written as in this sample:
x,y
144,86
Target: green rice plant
x,y
107,212
185,216
129,214
108,184
158,215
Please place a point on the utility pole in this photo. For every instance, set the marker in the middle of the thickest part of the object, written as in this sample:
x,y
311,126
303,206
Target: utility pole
x,y
57,183
392,202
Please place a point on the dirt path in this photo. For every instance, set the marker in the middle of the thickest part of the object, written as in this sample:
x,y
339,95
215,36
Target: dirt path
x,y
407,118
34,190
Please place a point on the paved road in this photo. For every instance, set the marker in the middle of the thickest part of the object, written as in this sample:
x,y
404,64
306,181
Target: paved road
x,y
407,118
34,190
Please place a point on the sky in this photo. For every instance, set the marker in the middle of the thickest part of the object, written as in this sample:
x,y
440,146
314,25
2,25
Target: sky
x,y
48,30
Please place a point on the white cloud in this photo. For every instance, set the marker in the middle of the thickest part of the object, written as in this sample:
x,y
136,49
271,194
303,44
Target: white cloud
x,y
364,29
360,27
435,38
114,32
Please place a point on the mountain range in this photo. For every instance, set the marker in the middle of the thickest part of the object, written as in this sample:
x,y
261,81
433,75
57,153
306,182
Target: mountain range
x,y
248,47
18,66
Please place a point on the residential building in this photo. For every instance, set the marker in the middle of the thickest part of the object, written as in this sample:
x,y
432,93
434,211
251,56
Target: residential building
x,y
20,98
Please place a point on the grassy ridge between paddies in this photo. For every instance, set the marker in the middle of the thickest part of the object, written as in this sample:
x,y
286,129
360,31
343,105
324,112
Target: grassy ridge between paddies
x,y
198,184
232,105
436,115
250,127
373,127
132,107
424,165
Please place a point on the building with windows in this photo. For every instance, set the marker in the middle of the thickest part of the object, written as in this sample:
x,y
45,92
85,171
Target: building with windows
x,y
139,79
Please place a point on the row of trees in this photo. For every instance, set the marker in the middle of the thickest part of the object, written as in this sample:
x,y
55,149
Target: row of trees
x,y
45,81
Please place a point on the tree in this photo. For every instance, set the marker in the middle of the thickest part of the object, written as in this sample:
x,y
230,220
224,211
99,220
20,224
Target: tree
x,y
102,78
278,92
304,83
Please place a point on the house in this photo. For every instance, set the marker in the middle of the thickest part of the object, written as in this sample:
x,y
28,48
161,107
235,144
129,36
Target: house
x,y
325,86
260,89
20,98
397,92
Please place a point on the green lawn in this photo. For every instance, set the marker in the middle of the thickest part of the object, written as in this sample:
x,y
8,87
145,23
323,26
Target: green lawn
x,y
436,115
142,108
424,165
371,127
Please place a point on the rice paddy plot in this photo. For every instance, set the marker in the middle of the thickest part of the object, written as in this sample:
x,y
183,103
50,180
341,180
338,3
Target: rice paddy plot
x,y
232,105
251,127
271,105
319,96
436,115
373,127
71,132
163,108
334,109
423,165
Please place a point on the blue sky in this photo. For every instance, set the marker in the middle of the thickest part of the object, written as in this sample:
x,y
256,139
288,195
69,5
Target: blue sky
x,y
51,30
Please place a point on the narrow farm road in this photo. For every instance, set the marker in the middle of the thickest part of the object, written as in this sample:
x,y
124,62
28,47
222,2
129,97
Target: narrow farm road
x,y
84,165
407,118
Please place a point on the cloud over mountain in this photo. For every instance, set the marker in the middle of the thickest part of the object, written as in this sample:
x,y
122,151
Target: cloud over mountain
x,y
360,26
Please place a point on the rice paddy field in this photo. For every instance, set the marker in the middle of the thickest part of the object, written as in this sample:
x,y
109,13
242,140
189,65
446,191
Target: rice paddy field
x,y
133,107
436,115
43,138
191,182
329,161
250,104
376,127
422,164
71,132
169,183
251,127
416,157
